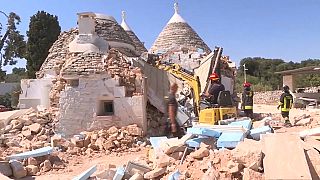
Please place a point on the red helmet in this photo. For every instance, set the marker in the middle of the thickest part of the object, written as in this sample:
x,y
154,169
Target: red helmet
x,y
214,76
246,84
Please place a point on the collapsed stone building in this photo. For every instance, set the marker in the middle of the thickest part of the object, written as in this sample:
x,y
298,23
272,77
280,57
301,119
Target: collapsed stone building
x,y
87,77
97,75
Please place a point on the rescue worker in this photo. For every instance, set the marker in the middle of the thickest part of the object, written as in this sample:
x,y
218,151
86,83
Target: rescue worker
x,y
215,88
172,112
286,100
247,100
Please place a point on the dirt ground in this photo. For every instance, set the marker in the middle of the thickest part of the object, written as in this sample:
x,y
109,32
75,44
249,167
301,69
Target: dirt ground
x,y
78,164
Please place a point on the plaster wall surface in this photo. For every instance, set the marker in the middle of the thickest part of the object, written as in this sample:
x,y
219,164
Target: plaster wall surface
x,y
35,92
80,106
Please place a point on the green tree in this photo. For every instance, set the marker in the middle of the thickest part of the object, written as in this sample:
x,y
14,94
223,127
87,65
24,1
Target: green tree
x,y
43,31
16,75
12,44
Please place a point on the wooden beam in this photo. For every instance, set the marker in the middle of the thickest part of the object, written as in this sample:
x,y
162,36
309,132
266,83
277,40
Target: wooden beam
x,y
284,158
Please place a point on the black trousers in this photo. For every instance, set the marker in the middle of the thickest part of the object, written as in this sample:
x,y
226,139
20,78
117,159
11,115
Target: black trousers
x,y
248,113
285,114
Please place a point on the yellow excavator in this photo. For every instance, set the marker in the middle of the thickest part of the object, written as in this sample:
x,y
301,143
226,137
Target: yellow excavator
x,y
203,110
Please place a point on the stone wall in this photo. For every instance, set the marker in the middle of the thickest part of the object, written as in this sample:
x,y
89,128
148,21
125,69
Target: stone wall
x,y
79,106
267,97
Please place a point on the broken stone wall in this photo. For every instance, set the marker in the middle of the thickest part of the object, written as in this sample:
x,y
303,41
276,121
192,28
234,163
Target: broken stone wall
x,y
80,106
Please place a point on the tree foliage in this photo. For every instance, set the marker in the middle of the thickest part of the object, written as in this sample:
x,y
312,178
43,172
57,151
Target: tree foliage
x,y
44,30
12,44
261,73
16,75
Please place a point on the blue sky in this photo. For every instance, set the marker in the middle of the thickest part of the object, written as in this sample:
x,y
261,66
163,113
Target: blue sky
x,y
286,29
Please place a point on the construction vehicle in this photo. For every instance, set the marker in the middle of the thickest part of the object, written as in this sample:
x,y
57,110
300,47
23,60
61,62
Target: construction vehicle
x,y
205,112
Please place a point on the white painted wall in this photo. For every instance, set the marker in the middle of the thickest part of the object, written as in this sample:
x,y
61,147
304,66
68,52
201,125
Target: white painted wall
x,y
79,106
35,92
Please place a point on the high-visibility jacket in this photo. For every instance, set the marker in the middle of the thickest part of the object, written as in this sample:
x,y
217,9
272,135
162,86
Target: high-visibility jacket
x,y
286,100
247,99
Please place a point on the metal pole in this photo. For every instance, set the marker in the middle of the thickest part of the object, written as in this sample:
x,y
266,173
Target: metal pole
x,y
244,71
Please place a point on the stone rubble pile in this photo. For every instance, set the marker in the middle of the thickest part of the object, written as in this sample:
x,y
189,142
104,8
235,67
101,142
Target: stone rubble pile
x,y
21,135
156,121
207,162
31,130
112,140
32,166
118,66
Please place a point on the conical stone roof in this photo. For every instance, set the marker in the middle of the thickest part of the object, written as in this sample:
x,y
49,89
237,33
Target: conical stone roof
x,y
178,32
136,41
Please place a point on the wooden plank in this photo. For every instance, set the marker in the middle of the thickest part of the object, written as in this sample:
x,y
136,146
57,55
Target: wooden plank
x,y
312,142
284,158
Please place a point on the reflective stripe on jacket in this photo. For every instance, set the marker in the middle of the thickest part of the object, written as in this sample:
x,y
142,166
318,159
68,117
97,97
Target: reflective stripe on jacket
x,y
286,101
247,99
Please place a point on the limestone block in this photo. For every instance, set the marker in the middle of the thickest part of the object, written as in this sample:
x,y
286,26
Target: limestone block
x,y
154,173
32,170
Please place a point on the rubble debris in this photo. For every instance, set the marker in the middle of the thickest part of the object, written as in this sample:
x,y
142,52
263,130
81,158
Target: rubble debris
x,y
303,122
248,153
230,139
310,132
35,153
119,173
17,169
249,174
154,173
200,153
256,132
46,166
32,170
86,174
5,168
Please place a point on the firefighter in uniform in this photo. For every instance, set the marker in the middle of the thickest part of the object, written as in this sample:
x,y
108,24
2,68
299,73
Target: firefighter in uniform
x,y
215,88
247,100
286,100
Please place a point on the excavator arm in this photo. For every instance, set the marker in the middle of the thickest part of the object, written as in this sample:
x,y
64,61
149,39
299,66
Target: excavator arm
x,y
191,80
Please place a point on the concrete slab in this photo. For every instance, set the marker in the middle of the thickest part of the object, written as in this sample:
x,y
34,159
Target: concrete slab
x,y
203,132
245,123
195,142
255,133
221,128
230,139
310,132
175,175
119,174
156,141
85,175
284,157
34,153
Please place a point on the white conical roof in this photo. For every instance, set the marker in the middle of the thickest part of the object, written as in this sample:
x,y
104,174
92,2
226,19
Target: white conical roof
x,y
176,16
124,24
136,41
178,32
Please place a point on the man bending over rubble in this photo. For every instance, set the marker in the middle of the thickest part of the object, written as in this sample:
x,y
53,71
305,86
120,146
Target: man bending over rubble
x,y
286,100
172,111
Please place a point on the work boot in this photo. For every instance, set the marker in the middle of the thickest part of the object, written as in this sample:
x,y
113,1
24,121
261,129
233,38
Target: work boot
x,y
287,123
